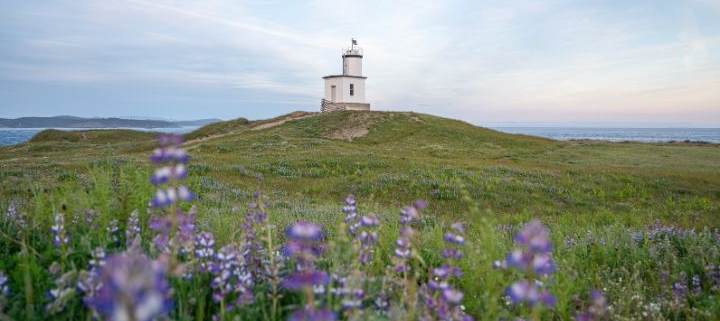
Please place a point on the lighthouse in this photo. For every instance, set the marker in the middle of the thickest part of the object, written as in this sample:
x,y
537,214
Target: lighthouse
x,y
346,91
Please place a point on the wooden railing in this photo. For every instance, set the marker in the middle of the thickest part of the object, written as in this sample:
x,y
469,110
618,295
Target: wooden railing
x,y
327,106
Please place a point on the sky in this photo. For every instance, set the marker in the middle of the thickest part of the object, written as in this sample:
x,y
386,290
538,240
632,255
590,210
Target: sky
x,y
653,63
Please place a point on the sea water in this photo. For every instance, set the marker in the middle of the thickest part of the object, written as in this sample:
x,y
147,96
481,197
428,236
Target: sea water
x,y
650,135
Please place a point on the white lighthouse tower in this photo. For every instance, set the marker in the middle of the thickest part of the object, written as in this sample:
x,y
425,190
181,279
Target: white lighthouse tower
x,y
346,91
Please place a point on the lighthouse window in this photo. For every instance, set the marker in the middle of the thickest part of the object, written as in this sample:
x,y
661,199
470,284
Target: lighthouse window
x,y
352,89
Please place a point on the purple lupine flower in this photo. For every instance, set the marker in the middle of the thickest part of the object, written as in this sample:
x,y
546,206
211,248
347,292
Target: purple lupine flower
x,y
303,279
382,301
204,250
162,225
132,228
113,229
90,217
171,195
525,291
304,231
4,289
60,237
452,296
11,213
305,246
409,215
97,259
309,313
89,282
534,237
253,247
185,236
533,257
454,238
231,279
696,286
441,299
133,288
165,174
679,288
169,151
353,301
63,291
351,216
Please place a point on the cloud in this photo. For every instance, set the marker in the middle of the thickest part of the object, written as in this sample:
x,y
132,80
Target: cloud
x,y
462,59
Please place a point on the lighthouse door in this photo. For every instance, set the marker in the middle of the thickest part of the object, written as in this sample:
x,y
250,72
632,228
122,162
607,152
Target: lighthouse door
x,y
332,93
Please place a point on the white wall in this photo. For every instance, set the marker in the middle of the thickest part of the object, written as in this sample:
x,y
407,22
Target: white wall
x,y
343,89
352,66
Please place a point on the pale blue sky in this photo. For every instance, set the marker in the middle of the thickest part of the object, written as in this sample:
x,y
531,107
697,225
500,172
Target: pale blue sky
x,y
570,62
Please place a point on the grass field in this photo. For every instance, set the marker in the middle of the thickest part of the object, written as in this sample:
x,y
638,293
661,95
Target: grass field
x,y
638,222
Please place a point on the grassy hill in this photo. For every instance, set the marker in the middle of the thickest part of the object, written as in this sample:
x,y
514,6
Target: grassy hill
x,y
390,157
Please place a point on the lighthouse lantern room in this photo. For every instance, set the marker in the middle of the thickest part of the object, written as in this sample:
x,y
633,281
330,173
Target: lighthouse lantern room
x,y
346,91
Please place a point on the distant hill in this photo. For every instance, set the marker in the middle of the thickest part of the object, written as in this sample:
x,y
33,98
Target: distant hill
x,y
199,122
79,122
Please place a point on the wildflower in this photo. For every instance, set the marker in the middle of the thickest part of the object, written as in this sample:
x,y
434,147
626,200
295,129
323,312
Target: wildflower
x,y
440,297
231,279
253,247
12,215
532,258
307,278
353,301
90,217
529,292
89,281
97,259
63,291
60,237
4,289
696,286
409,215
133,288
171,195
204,250
113,229
309,313
367,238
132,228
304,231
452,296
679,288
304,245
351,216
169,151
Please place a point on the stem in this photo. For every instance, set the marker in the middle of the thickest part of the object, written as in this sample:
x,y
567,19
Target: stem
x,y
274,283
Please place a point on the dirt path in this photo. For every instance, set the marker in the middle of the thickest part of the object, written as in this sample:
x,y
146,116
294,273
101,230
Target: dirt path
x,y
264,125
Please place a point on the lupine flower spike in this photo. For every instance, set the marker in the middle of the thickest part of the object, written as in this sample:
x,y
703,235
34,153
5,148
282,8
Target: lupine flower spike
x,y
533,258
134,287
305,247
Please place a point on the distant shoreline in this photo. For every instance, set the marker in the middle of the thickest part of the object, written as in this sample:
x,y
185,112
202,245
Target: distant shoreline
x,y
14,136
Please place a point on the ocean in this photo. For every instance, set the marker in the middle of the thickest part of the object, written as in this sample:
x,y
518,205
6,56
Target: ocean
x,y
12,136
647,135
